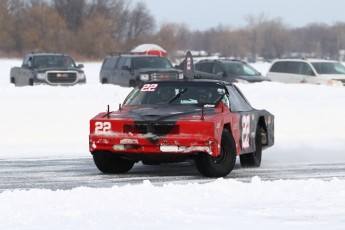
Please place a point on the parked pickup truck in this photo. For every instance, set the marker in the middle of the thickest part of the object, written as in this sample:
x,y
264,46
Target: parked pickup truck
x,y
47,68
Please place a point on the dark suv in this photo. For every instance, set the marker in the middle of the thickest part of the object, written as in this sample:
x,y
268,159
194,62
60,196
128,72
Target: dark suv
x,y
228,70
130,70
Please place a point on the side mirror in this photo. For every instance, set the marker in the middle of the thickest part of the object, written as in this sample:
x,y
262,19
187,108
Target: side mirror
x,y
80,66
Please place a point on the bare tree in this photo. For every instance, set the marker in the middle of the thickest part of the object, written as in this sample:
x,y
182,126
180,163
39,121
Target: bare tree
x,y
14,6
72,11
221,41
336,43
312,38
239,44
96,38
120,14
11,24
141,24
5,27
42,29
170,36
275,39
254,27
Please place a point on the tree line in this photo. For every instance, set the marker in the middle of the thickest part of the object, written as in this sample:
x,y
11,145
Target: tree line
x,y
92,28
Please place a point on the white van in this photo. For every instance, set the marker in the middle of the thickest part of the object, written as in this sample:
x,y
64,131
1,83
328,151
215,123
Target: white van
x,y
314,71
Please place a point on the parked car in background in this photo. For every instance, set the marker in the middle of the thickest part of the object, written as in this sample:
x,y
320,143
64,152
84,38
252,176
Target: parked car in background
x,y
314,71
129,70
47,68
228,70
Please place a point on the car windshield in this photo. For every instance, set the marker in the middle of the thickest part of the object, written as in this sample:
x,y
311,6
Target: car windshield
x,y
329,68
242,69
181,93
151,63
48,61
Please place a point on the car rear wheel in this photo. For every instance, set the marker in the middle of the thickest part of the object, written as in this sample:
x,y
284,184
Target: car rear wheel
x,y
221,165
107,162
253,159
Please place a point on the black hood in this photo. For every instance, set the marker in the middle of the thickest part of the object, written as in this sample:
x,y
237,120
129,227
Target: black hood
x,y
166,113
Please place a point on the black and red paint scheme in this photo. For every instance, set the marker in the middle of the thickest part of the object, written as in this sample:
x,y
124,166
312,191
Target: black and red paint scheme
x,y
208,121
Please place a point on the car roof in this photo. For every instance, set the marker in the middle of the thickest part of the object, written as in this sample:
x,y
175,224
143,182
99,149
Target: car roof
x,y
221,60
211,81
311,60
131,55
48,54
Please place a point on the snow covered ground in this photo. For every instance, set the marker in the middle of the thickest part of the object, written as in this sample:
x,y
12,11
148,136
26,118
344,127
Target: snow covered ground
x,y
53,122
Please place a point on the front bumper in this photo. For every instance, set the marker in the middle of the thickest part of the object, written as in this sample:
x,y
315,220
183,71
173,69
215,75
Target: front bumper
x,y
149,144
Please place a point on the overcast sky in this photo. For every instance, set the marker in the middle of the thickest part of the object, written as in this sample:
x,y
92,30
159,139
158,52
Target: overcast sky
x,y
204,14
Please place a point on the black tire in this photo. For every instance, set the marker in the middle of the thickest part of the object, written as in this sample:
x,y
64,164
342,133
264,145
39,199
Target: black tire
x,y
104,81
107,162
148,162
253,159
223,164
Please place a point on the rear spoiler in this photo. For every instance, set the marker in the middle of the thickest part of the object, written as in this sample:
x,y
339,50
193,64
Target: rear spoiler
x,y
190,73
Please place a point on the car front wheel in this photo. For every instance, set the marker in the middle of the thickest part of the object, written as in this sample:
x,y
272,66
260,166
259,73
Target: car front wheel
x,y
221,165
107,162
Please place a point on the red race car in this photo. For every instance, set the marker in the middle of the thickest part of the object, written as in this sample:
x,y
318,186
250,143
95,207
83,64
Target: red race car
x,y
209,121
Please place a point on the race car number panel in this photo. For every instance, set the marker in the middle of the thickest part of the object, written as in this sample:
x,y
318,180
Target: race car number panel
x,y
102,127
149,87
245,131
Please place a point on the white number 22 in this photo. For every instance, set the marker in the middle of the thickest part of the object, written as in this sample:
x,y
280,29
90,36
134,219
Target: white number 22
x,y
102,126
149,87
245,131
